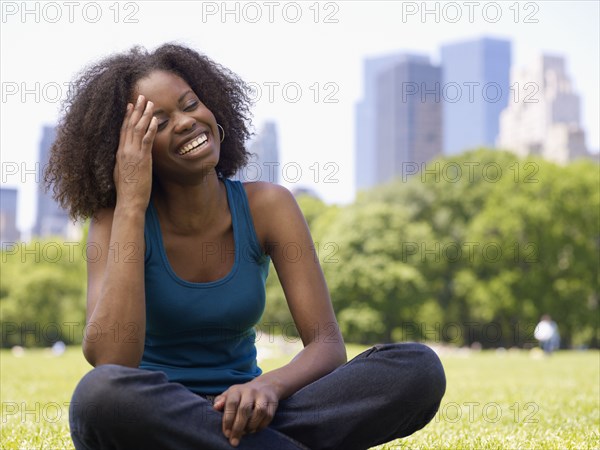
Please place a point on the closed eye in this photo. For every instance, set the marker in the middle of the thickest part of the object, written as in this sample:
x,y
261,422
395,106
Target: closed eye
x,y
191,106
162,125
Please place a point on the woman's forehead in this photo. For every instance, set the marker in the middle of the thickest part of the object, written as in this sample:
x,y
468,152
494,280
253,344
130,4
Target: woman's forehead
x,y
160,85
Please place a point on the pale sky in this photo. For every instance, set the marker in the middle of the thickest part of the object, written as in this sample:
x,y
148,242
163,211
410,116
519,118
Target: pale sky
x,y
310,53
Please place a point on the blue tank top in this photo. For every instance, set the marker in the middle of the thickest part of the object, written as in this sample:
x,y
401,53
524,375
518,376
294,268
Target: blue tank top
x,y
202,334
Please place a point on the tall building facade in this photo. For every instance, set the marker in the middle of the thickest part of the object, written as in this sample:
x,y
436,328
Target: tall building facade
x,y
398,123
9,234
475,89
544,118
264,162
366,114
51,219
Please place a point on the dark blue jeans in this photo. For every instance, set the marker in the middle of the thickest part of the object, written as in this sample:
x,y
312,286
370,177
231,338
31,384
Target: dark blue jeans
x,y
387,392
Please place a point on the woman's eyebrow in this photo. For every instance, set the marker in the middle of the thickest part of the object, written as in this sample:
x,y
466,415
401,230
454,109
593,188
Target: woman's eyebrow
x,y
181,97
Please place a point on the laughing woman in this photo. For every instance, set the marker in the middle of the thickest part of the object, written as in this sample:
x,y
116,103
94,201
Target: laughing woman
x,y
146,147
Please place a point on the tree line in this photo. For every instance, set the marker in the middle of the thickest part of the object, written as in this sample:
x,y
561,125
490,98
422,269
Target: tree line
x,y
470,250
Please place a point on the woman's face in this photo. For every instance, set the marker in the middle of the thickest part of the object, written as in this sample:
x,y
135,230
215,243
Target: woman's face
x,y
187,141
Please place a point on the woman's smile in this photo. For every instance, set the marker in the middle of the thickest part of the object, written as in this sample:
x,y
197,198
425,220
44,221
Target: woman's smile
x,y
195,145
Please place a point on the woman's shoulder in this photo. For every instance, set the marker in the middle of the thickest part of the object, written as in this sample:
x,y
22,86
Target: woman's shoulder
x,y
263,195
269,205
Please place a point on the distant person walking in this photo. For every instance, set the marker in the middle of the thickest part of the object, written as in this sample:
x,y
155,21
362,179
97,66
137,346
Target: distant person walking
x,y
547,333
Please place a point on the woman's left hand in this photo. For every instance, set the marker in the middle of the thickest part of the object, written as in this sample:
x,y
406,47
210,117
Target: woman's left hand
x,y
247,408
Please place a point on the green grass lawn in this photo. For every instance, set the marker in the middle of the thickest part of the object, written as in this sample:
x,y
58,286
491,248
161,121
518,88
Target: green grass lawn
x,y
493,401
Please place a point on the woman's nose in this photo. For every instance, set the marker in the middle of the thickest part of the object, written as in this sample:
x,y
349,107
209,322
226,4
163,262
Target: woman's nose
x,y
184,123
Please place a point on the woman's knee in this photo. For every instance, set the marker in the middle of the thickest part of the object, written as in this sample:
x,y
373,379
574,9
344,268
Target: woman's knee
x,y
431,366
101,396
96,386
420,367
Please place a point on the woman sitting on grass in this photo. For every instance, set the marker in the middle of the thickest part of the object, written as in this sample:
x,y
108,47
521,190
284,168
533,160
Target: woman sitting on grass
x,y
176,284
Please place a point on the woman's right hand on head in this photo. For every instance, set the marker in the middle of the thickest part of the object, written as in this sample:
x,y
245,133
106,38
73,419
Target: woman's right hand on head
x,y
133,165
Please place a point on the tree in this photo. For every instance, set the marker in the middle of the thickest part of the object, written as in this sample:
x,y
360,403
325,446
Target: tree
x,y
42,293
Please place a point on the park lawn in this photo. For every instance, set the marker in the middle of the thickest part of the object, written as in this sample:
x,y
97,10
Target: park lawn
x,y
493,400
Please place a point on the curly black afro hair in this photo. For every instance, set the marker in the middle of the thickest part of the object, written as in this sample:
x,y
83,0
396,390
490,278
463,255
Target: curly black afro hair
x,y
82,158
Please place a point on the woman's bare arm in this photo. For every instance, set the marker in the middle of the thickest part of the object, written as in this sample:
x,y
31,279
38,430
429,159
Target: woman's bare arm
x,y
116,311
306,293
116,317
250,407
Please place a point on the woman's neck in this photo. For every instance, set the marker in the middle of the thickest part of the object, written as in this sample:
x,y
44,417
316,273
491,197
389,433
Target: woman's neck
x,y
189,209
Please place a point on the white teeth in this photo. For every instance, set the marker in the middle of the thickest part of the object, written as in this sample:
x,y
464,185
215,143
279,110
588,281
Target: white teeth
x,y
195,143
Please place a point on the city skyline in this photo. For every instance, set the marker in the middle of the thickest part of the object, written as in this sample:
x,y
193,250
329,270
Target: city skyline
x,y
408,128
551,126
365,125
413,111
50,218
8,219
324,68
475,89
264,163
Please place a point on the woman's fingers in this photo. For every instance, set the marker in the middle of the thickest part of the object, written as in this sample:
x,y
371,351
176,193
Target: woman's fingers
x,y
138,121
141,126
148,138
136,115
260,418
263,414
244,411
125,123
252,415
133,162
219,401
232,402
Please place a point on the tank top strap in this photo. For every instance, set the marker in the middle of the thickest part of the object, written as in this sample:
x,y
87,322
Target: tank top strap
x,y
247,233
150,232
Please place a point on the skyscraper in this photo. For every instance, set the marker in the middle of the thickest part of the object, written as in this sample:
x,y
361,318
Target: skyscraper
x,y
366,175
264,162
8,217
399,119
51,219
543,118
475,89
